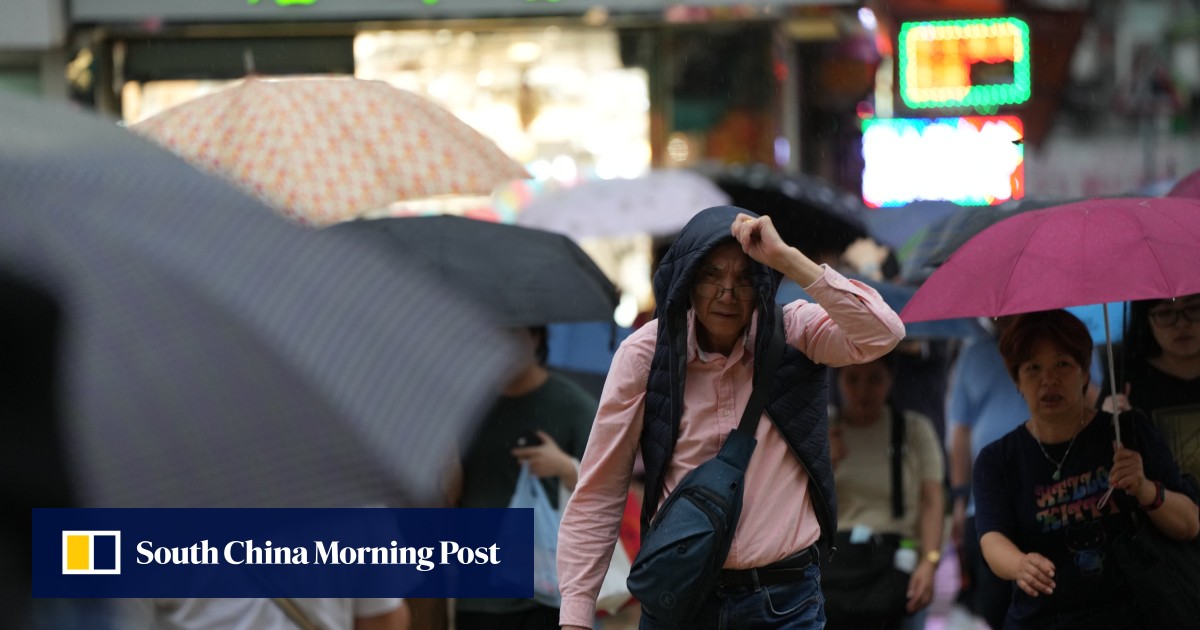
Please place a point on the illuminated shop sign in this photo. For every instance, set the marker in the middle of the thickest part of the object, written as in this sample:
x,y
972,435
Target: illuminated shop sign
x,y
970,160
972,63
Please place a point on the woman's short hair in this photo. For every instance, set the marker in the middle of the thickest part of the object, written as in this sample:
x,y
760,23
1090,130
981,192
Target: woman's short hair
x,y
1058,327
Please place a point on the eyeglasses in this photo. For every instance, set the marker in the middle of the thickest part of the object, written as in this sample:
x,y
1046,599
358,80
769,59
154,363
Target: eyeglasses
x,y
1169,316
743,293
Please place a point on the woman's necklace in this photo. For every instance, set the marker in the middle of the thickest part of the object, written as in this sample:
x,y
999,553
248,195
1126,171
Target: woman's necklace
x,y
1057,476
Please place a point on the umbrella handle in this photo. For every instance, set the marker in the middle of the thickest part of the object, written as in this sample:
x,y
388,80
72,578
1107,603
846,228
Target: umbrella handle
x,y
1112,376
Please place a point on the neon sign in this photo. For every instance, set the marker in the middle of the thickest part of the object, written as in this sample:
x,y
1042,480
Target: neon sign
x,y
971,160
971,63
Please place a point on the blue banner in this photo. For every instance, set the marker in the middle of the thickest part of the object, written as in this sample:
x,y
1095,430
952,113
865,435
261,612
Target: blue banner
x,y
351,552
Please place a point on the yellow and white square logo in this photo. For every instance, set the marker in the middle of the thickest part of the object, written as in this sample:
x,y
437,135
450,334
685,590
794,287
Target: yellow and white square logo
x,y
91,552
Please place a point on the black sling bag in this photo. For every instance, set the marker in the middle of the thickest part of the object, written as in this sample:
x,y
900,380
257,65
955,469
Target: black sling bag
x,y
689,537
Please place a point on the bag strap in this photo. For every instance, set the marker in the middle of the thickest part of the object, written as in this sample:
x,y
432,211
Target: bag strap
x,y
896,452
764,376
295,613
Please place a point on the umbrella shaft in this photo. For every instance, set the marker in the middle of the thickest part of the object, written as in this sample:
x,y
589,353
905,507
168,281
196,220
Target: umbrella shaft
x,y
1112,376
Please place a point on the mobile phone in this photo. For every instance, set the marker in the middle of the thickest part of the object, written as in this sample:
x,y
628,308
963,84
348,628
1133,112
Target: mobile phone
x,y
529,438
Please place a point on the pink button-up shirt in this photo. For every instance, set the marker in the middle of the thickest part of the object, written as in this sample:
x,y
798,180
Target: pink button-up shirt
x,y
850,324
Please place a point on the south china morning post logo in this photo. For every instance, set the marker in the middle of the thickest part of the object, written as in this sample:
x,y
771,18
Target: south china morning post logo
x,y
91,552
284,552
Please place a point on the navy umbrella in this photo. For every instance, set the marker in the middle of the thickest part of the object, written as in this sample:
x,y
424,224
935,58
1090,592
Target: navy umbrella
x,y
810,213
524,276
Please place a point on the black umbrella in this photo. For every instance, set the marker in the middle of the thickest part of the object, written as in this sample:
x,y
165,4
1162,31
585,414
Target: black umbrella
x,y
934,243
809,212
211,354
526,276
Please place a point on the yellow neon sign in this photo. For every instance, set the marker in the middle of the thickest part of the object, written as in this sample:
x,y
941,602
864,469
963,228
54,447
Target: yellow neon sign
x,y
953,63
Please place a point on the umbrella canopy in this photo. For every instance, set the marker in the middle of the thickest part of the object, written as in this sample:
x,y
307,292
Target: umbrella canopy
x,y
896,226
932,245
212,354
897,296
1088,252
810,213
1187,187
325,150
659,204
526,277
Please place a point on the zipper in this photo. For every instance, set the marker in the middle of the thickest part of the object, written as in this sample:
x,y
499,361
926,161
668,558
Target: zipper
x,y
681,495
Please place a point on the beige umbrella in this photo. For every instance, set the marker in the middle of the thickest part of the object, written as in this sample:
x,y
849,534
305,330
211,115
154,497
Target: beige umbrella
x,y
326,150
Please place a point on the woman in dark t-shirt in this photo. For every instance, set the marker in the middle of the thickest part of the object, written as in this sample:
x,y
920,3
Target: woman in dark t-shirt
x,y
1039,490
1162,374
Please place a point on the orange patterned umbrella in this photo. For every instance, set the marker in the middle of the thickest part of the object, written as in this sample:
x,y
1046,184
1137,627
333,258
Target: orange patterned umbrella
x,y
325,150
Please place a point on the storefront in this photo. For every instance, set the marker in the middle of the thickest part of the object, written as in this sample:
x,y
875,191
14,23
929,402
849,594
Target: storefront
x,y
570,87
572,90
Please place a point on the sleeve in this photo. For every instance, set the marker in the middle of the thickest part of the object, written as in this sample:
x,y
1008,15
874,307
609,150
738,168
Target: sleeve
x,y
924,441
1157,461
850,323
963,408
592,519
993,509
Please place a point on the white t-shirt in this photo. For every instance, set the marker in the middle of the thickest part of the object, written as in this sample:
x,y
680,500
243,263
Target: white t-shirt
x,y
247,614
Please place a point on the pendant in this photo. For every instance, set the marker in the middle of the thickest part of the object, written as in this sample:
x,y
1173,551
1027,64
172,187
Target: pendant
x,y
1057,474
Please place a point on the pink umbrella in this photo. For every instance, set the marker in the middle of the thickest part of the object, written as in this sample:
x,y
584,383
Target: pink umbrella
x,y
1187,187
1088,252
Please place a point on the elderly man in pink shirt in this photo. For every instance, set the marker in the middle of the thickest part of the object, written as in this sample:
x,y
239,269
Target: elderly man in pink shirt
x,y
715,291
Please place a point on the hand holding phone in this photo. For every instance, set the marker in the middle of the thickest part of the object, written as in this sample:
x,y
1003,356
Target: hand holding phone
x,y
529,438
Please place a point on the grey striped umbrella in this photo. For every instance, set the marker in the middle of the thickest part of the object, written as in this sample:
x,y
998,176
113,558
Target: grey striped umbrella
x,y
209,352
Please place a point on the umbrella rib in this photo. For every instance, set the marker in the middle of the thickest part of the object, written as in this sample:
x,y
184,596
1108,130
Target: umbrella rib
x,y
1021,254
1154,253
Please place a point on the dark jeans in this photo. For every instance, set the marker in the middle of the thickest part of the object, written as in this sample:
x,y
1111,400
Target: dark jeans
x,y
792,606
984,594
540,618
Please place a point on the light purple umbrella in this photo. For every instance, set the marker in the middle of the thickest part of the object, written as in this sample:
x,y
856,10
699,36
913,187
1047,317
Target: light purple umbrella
x,y
658,204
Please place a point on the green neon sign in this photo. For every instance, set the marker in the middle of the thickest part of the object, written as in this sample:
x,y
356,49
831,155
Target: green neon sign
x,y
964,63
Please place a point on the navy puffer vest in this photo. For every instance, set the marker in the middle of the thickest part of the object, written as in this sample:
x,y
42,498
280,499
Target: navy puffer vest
x,y
798,399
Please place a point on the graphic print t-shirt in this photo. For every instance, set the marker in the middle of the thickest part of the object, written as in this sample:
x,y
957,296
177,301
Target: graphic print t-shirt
x,y
1017,497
